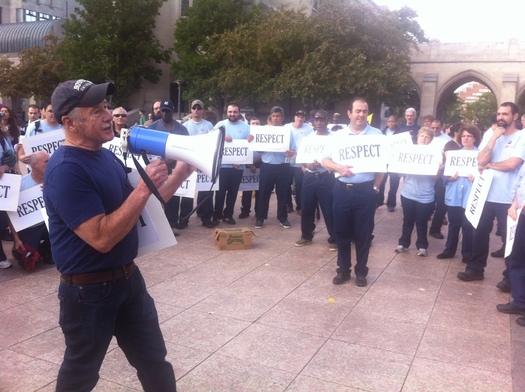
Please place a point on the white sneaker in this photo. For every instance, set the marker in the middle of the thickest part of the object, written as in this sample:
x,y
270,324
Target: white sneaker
x,y
422,252
401,249
5,264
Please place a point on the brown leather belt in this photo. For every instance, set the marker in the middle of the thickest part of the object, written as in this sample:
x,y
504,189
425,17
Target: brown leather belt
x,y
359,185
100,277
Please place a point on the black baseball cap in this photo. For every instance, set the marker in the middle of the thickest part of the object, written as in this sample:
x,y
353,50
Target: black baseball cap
x,y
167,105
78,93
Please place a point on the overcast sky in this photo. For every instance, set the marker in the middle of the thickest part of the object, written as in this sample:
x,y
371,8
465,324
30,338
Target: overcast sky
x,y
467,20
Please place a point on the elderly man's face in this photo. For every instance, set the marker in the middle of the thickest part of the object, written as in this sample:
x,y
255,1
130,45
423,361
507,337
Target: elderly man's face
x,y
156,109
410,117
94,126
119,117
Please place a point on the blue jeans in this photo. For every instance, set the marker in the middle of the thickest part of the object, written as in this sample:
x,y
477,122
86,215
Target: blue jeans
x,y
89,317
458,221
270,176
229,182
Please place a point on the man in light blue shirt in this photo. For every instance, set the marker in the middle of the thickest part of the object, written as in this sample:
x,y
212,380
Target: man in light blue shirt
x,y
354,201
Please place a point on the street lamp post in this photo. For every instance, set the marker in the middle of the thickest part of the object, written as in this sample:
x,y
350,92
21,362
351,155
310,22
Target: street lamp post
x,y
179,84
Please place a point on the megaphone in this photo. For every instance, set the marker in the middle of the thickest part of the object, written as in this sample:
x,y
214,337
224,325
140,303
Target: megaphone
x,y
202,151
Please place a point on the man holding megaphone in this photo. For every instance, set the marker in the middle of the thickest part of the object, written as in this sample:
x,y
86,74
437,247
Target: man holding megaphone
x,y
93,213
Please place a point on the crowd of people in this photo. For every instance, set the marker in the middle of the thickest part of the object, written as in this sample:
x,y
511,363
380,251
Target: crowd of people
x,y
94,247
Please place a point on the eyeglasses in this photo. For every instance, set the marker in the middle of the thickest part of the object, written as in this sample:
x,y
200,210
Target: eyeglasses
x,y
196,107
319,117
120,115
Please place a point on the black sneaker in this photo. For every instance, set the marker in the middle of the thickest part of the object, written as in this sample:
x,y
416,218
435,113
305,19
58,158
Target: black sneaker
x,y
209,224
499,254
510,309
244,215
504,285
436,234
470,275
259,223
341,278
360,281
285,224
229,221
445,255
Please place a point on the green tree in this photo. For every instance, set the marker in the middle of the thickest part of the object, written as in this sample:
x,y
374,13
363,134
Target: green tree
x,y
195,36
39,70
8,85
454,109
480,112
113,40
346,49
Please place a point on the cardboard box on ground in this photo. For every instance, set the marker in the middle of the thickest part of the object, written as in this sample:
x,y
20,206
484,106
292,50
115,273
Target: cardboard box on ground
x,y
233,239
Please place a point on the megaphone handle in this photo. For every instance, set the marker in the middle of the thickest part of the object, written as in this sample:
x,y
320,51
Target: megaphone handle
x,y
153,189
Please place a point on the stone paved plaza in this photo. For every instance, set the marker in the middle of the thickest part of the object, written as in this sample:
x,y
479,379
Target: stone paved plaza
x,y
270,319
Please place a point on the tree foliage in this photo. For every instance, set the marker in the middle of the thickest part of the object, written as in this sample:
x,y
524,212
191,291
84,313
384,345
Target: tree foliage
x,y
39,70
480,112
196,34
346,49
7,81
113,40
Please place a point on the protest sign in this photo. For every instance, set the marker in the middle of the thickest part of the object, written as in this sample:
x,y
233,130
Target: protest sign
x,y
313,147
364,153
116,148
270,138
478,196
28,213
463,162
249,181
48,142
238,151
512,225
415,159
204,183
9,191
187,188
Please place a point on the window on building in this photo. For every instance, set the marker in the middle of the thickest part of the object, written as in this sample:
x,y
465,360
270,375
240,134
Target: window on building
x,y
30,16
184,5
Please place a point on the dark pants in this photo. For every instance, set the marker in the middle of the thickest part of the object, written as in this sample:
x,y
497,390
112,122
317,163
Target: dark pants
x,y
353,212
205,210
246,201
416,213
4,223
392,193
38,237
270,176
317,188
229,181
458,221
480,243
90,315
296,182
172,209
441,208
516,263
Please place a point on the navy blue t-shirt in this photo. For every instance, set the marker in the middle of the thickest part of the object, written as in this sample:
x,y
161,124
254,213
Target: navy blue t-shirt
x,y
78,185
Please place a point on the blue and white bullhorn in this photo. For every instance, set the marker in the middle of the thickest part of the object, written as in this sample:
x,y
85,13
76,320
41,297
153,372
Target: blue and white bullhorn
x,y
201,151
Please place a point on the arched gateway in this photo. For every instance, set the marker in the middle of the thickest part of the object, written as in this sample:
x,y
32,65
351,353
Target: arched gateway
x,y
438,69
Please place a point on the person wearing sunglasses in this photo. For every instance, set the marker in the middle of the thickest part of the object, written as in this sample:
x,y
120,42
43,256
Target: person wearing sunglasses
x,y
120,117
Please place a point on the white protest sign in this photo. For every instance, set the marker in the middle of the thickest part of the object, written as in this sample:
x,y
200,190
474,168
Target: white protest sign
x,y
115,147
28,213
153,228
48,142
204,183
312,148
9,191
512,225
365,153
415,159
478,196
238,151
270,138
463,162
187,188
249,181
